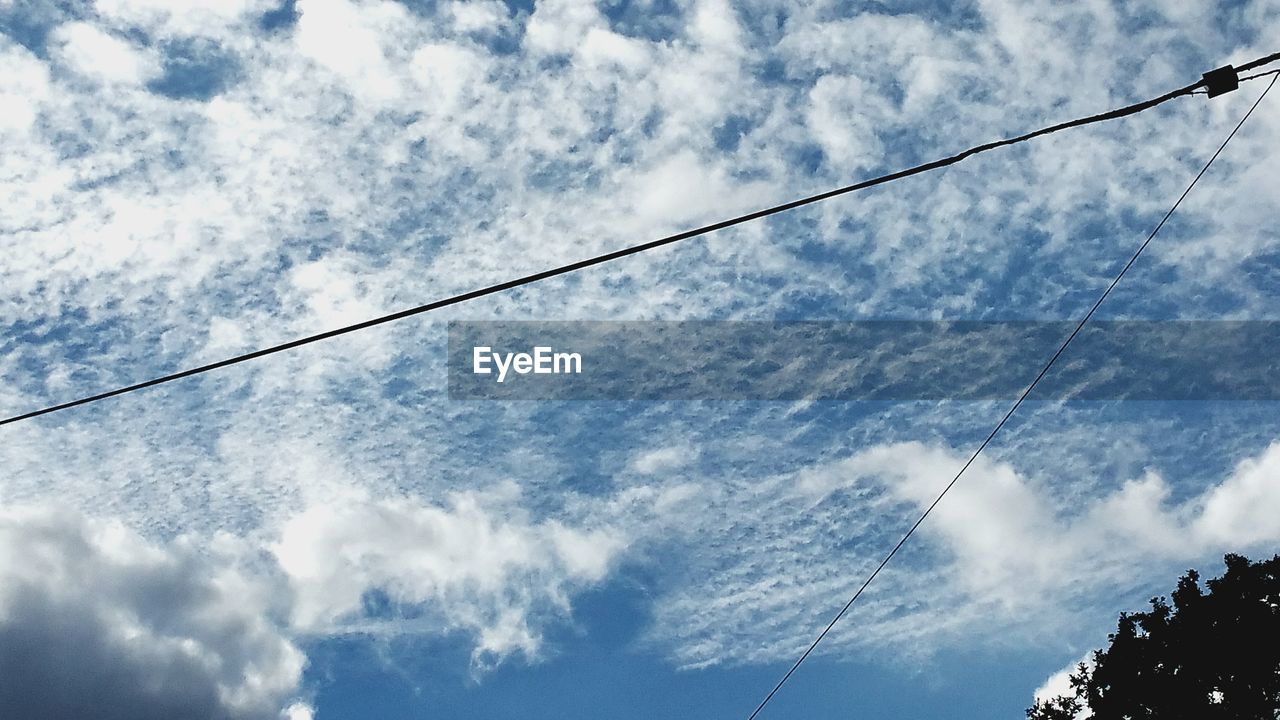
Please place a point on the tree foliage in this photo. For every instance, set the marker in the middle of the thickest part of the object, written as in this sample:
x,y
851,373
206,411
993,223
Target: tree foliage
x,y
1211,655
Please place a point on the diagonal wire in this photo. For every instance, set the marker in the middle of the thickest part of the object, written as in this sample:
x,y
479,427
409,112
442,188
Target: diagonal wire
x,y
1008,414
628,251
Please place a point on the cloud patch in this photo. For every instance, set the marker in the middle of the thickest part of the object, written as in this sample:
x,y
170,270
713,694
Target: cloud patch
x,y
93,53
1003,543
474,564
96,622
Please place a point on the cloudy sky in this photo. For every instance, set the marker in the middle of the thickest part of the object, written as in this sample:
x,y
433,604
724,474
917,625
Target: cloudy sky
x,y
325,534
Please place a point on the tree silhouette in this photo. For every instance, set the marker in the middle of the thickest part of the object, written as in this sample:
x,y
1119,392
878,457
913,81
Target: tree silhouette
x,y
1211,656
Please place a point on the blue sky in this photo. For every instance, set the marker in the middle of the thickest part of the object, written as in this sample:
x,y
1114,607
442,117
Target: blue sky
x,y
324,534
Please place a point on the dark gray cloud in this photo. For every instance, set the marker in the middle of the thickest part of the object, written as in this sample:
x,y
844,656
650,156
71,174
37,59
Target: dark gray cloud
x,y
97,623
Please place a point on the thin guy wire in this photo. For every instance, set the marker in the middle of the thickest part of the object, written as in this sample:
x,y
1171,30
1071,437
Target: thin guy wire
x,y
1255,76
1008,414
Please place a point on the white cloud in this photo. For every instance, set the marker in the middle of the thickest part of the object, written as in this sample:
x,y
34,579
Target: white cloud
x,y
193,17
602,47
298,711
1059,684
663,459
715,26
843,113
22,90
96,622
449,74
349,39
478,15
1242,510
467,567
1001,542
334,292
557,26
1010,538
685,188
96,54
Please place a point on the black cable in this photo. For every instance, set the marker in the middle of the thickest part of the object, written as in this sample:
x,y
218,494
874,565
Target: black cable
x,y
1009,414
1258,63
1255,76
617,254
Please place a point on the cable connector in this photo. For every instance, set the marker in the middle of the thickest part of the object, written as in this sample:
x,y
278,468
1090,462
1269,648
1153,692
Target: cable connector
x,y
1221,81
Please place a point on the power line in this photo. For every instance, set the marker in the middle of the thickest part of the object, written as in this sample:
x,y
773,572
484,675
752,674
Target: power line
x,y
1205,82
1011,411
1258,75
1265,60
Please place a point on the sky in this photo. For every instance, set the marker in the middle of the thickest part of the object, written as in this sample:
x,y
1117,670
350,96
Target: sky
x,y
325,534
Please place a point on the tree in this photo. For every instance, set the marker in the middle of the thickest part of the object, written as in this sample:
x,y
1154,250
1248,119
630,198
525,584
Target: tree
x,y
1209,656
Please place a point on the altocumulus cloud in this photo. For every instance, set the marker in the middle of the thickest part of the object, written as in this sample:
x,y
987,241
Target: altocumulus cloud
x,y
1039,563
363,157
97,622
